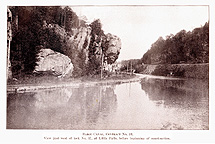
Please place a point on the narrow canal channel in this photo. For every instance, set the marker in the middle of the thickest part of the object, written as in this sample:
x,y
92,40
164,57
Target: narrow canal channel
x,y
151,104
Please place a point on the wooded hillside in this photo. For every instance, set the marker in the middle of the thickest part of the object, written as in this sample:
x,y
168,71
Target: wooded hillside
x,y
185,47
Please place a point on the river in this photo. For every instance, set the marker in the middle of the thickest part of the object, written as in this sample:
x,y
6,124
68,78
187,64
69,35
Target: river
x,y
149,104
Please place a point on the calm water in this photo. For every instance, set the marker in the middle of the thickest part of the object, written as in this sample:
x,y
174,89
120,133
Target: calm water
x,y
149,104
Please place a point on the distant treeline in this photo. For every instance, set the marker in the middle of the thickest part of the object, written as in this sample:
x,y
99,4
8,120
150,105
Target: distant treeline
x,y
128,65
184,47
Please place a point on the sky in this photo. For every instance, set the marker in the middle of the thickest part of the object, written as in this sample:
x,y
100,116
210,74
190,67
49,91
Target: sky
x,y
140,26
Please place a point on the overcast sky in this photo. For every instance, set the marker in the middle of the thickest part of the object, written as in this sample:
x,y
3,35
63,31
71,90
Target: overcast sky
x,y
140,26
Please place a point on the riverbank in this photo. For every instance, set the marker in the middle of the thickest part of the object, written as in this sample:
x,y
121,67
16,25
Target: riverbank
x,y
32,83
197,71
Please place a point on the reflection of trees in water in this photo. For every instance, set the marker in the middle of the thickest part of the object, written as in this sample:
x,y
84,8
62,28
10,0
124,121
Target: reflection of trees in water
x,y
176,93
18,108
66,108
97,102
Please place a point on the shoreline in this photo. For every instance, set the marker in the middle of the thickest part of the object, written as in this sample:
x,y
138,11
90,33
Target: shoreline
x,y
21,88
195,71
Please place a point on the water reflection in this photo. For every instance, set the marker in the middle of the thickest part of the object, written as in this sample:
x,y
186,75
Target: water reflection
x,y
74,108
150,104
177,93
189,99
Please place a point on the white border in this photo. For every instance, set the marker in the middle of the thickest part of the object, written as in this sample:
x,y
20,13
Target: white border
x,y
36,136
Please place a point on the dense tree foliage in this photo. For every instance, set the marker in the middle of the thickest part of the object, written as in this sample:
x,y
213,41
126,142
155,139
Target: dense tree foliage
x,y
184,47
26,37
95,50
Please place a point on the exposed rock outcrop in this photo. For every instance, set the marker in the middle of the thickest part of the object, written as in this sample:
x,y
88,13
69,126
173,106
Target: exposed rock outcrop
x,y
80,41
54,62
80,36
61,30
77,47
113,48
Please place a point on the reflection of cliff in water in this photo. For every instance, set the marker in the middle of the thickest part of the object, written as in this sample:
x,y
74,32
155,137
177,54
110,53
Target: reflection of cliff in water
x,y
67,108
176,92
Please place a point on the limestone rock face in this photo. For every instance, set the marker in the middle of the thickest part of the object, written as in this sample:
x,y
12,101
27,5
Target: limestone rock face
x,y
114,46
54,62
81,35
79,42
83,48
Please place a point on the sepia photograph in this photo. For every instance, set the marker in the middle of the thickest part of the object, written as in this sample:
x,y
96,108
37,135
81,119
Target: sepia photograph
x,y
107,72
126,67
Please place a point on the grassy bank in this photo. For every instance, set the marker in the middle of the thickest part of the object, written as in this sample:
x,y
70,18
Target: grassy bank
x,y
32,82
199,71
46,79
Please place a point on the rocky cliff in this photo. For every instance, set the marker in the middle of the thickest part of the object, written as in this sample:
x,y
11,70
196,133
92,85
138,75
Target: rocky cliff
x,y
114,46
62,31
76,47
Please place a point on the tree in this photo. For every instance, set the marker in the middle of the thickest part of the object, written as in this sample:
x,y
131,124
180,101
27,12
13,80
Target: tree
x,y
95,49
